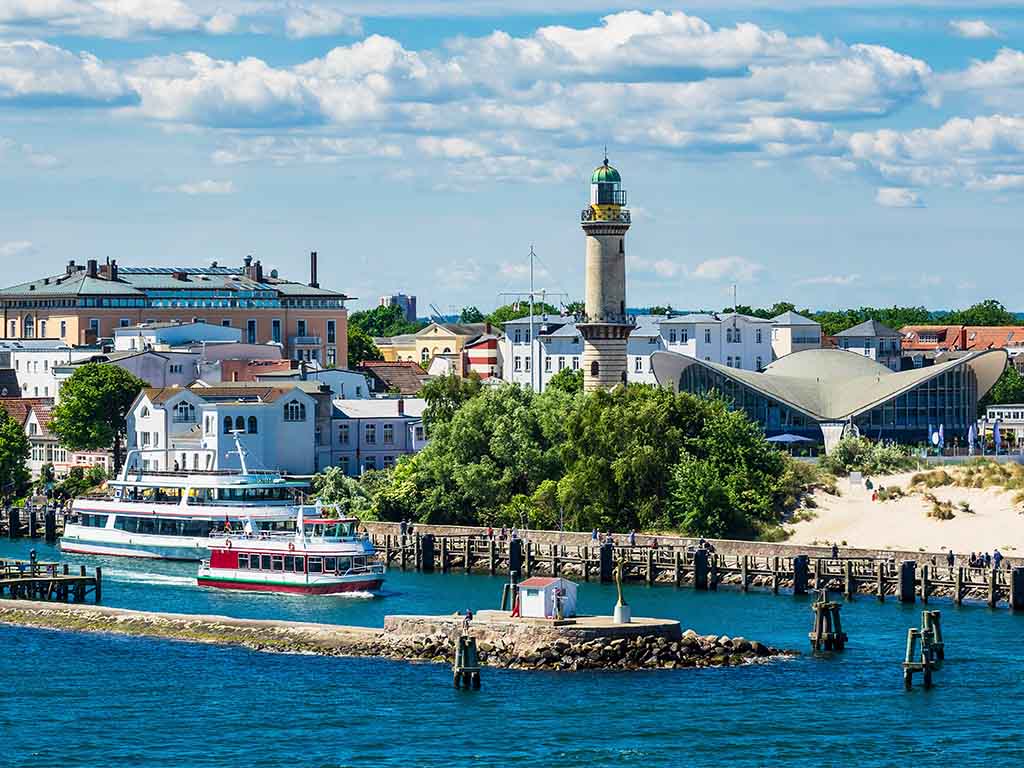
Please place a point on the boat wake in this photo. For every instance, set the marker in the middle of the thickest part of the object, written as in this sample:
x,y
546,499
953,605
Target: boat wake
x,y
142,577
354,595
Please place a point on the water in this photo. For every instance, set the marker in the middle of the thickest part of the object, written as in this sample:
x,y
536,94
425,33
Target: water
x,y
95,700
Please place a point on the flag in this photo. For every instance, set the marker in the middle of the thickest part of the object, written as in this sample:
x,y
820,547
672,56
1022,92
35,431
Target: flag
x,y
942,436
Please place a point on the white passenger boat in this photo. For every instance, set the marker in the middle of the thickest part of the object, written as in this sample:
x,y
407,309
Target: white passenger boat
x,y
173,514
324,555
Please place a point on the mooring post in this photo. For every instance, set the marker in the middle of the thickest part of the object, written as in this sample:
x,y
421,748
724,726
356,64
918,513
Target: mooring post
x,y
586,563
469,555
515,556
529,559
849,587
33,524
908,581
993,594
444,554
744,569
13,523
50,525
1017,589
650,566
800,567
817,574
775,574
426,552
492,557
98,592
880,582
958,586
607,562
677,564
925,572
700,569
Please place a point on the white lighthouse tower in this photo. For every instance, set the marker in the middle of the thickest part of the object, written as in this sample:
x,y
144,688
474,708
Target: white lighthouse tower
x,y
605,327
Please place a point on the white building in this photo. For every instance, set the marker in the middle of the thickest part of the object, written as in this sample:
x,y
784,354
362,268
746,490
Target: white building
x,y
372,434
34,361
793,332
343,383
874,340
153,335
539,595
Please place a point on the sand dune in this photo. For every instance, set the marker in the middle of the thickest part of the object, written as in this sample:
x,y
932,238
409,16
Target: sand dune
x,y
904,523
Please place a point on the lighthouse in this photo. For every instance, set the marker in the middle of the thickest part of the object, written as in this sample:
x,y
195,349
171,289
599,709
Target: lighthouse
x,y
605,327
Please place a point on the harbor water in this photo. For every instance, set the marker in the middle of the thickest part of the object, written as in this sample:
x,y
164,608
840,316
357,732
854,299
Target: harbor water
x,y
70,699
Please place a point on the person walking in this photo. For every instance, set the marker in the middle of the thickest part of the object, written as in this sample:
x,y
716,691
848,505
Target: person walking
x,y
997,558
950,558
632,538
593,535
403,528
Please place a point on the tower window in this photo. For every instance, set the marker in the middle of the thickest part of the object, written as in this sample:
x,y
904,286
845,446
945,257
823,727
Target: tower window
x,y
622,245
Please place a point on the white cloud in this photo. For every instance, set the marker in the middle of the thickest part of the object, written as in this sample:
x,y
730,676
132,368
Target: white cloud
x,y
16,248
898,197
37,73
450,147
206,187
974,29
729,267
461,273
288,150
521,271
112,18
319,21
830,280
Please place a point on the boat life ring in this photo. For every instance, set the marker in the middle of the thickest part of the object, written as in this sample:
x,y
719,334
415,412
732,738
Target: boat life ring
x,y
227,543
291,546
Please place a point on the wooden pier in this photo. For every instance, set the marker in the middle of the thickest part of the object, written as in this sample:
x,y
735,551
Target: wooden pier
x,y
684,565
49,582
32,522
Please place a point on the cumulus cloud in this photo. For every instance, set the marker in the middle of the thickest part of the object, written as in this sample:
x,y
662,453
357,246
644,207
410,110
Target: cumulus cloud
x,y
16,248
319,21
898,197
461,273
34,73
521,271
206,187
289,150
830,280
729,267
111,18
973,29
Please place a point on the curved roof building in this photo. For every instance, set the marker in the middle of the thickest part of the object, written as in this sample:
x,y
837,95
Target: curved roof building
x,y
818,392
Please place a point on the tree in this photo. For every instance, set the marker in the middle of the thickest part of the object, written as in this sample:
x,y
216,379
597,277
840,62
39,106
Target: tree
x,y
503,314
1009,388
471,315
361,346
988,312
575,308
93,411
334,487
660,310
14,453
567,380
445,395
383,321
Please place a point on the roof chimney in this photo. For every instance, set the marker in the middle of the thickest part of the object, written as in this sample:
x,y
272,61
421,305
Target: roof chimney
x,y
71,267
248,261
113,269
963,337
312,270
91,267
401,406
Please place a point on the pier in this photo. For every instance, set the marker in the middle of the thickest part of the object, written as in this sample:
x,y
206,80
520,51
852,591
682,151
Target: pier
x,y
687,565
51,582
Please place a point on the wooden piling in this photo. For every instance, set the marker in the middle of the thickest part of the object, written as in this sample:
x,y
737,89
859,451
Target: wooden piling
x,y
650,566
677,566
993,593
700,569
879,582
425,545
1017,589
958,586
925,573
744,573
800,567
775,575
492,557
468,564
908,581
849,587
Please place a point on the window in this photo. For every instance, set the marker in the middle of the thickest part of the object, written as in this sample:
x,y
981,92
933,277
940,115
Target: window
x,y
253,427
295,411
344,464
736,335
707,335
575,363
42,329
547,363
184,413
371,463
332,357
94,326
14,328
594,368
124,322
226,323
519,336
757,337
343,433
389,434
728,361
250,331
419,432
424,355
239,424
275,331
638,365
759,363
527,361
332,331
518,364
370,434
227,425
300,327
561,363
389,462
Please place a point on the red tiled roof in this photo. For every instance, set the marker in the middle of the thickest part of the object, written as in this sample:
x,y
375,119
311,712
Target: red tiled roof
x,y
539,582
18,409
961,338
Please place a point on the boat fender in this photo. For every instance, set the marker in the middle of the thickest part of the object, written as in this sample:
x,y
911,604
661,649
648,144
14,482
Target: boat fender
x,y
291,546
227,543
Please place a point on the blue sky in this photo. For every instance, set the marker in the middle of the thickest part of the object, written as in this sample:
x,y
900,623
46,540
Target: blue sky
x,y
807,151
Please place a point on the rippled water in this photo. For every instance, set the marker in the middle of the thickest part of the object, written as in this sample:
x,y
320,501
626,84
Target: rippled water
x,y
97,700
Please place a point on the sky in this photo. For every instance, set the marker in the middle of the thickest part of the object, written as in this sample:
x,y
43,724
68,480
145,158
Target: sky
x,y
823,153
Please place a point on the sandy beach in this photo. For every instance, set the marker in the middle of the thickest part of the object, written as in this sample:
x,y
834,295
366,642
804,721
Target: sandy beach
x,y
854,519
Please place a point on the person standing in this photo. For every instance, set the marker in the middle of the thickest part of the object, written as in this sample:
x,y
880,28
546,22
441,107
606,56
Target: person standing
x,y
835,551
632,538
997,558
403,528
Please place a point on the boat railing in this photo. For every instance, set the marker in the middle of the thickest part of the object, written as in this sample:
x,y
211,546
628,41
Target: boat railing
x,y
362,570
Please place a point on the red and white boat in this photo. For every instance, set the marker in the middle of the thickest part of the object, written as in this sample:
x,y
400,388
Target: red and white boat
x,y
325,555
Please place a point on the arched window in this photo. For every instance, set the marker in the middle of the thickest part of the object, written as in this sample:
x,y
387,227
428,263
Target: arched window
x,y
185,412
144,412
252,425
447,350
227,425
424,355
594,368
30,327
295,411
240,424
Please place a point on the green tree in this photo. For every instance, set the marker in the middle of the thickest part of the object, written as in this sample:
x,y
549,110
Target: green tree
x,y
1009,388
988,312
46,478
503,314
471,315
575,308
346,494
383,321
567,380
657,309
93,411
14,453
445,395
361,347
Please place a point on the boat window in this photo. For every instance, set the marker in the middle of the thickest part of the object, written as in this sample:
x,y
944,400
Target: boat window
x,y
347,529
330,564
358,562
289,563
254,561
243,561
265,562
344,564
94,521
128,524
147,525
316,565
300,564
171,527
278,562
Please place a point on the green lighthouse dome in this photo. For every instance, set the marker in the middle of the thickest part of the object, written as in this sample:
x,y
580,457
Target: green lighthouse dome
x,y
605,173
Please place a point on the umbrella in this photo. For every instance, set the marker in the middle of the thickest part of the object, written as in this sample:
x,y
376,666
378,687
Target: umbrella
x,y
788,438
972,438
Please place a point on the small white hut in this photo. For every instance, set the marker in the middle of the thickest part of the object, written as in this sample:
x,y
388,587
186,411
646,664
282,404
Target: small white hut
x,y
541,596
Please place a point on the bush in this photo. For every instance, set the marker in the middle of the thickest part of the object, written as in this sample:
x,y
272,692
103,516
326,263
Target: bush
x,y
858,454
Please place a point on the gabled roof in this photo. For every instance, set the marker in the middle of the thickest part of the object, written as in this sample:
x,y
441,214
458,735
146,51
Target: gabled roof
x,y
18,408
405,376
832,384
871,328
793,318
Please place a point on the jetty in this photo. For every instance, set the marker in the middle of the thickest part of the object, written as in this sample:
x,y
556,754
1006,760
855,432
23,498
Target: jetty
x,y
53,582
586,642
906,577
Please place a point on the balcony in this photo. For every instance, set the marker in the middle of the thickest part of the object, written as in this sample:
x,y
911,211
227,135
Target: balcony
x,y
304,341
590,215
